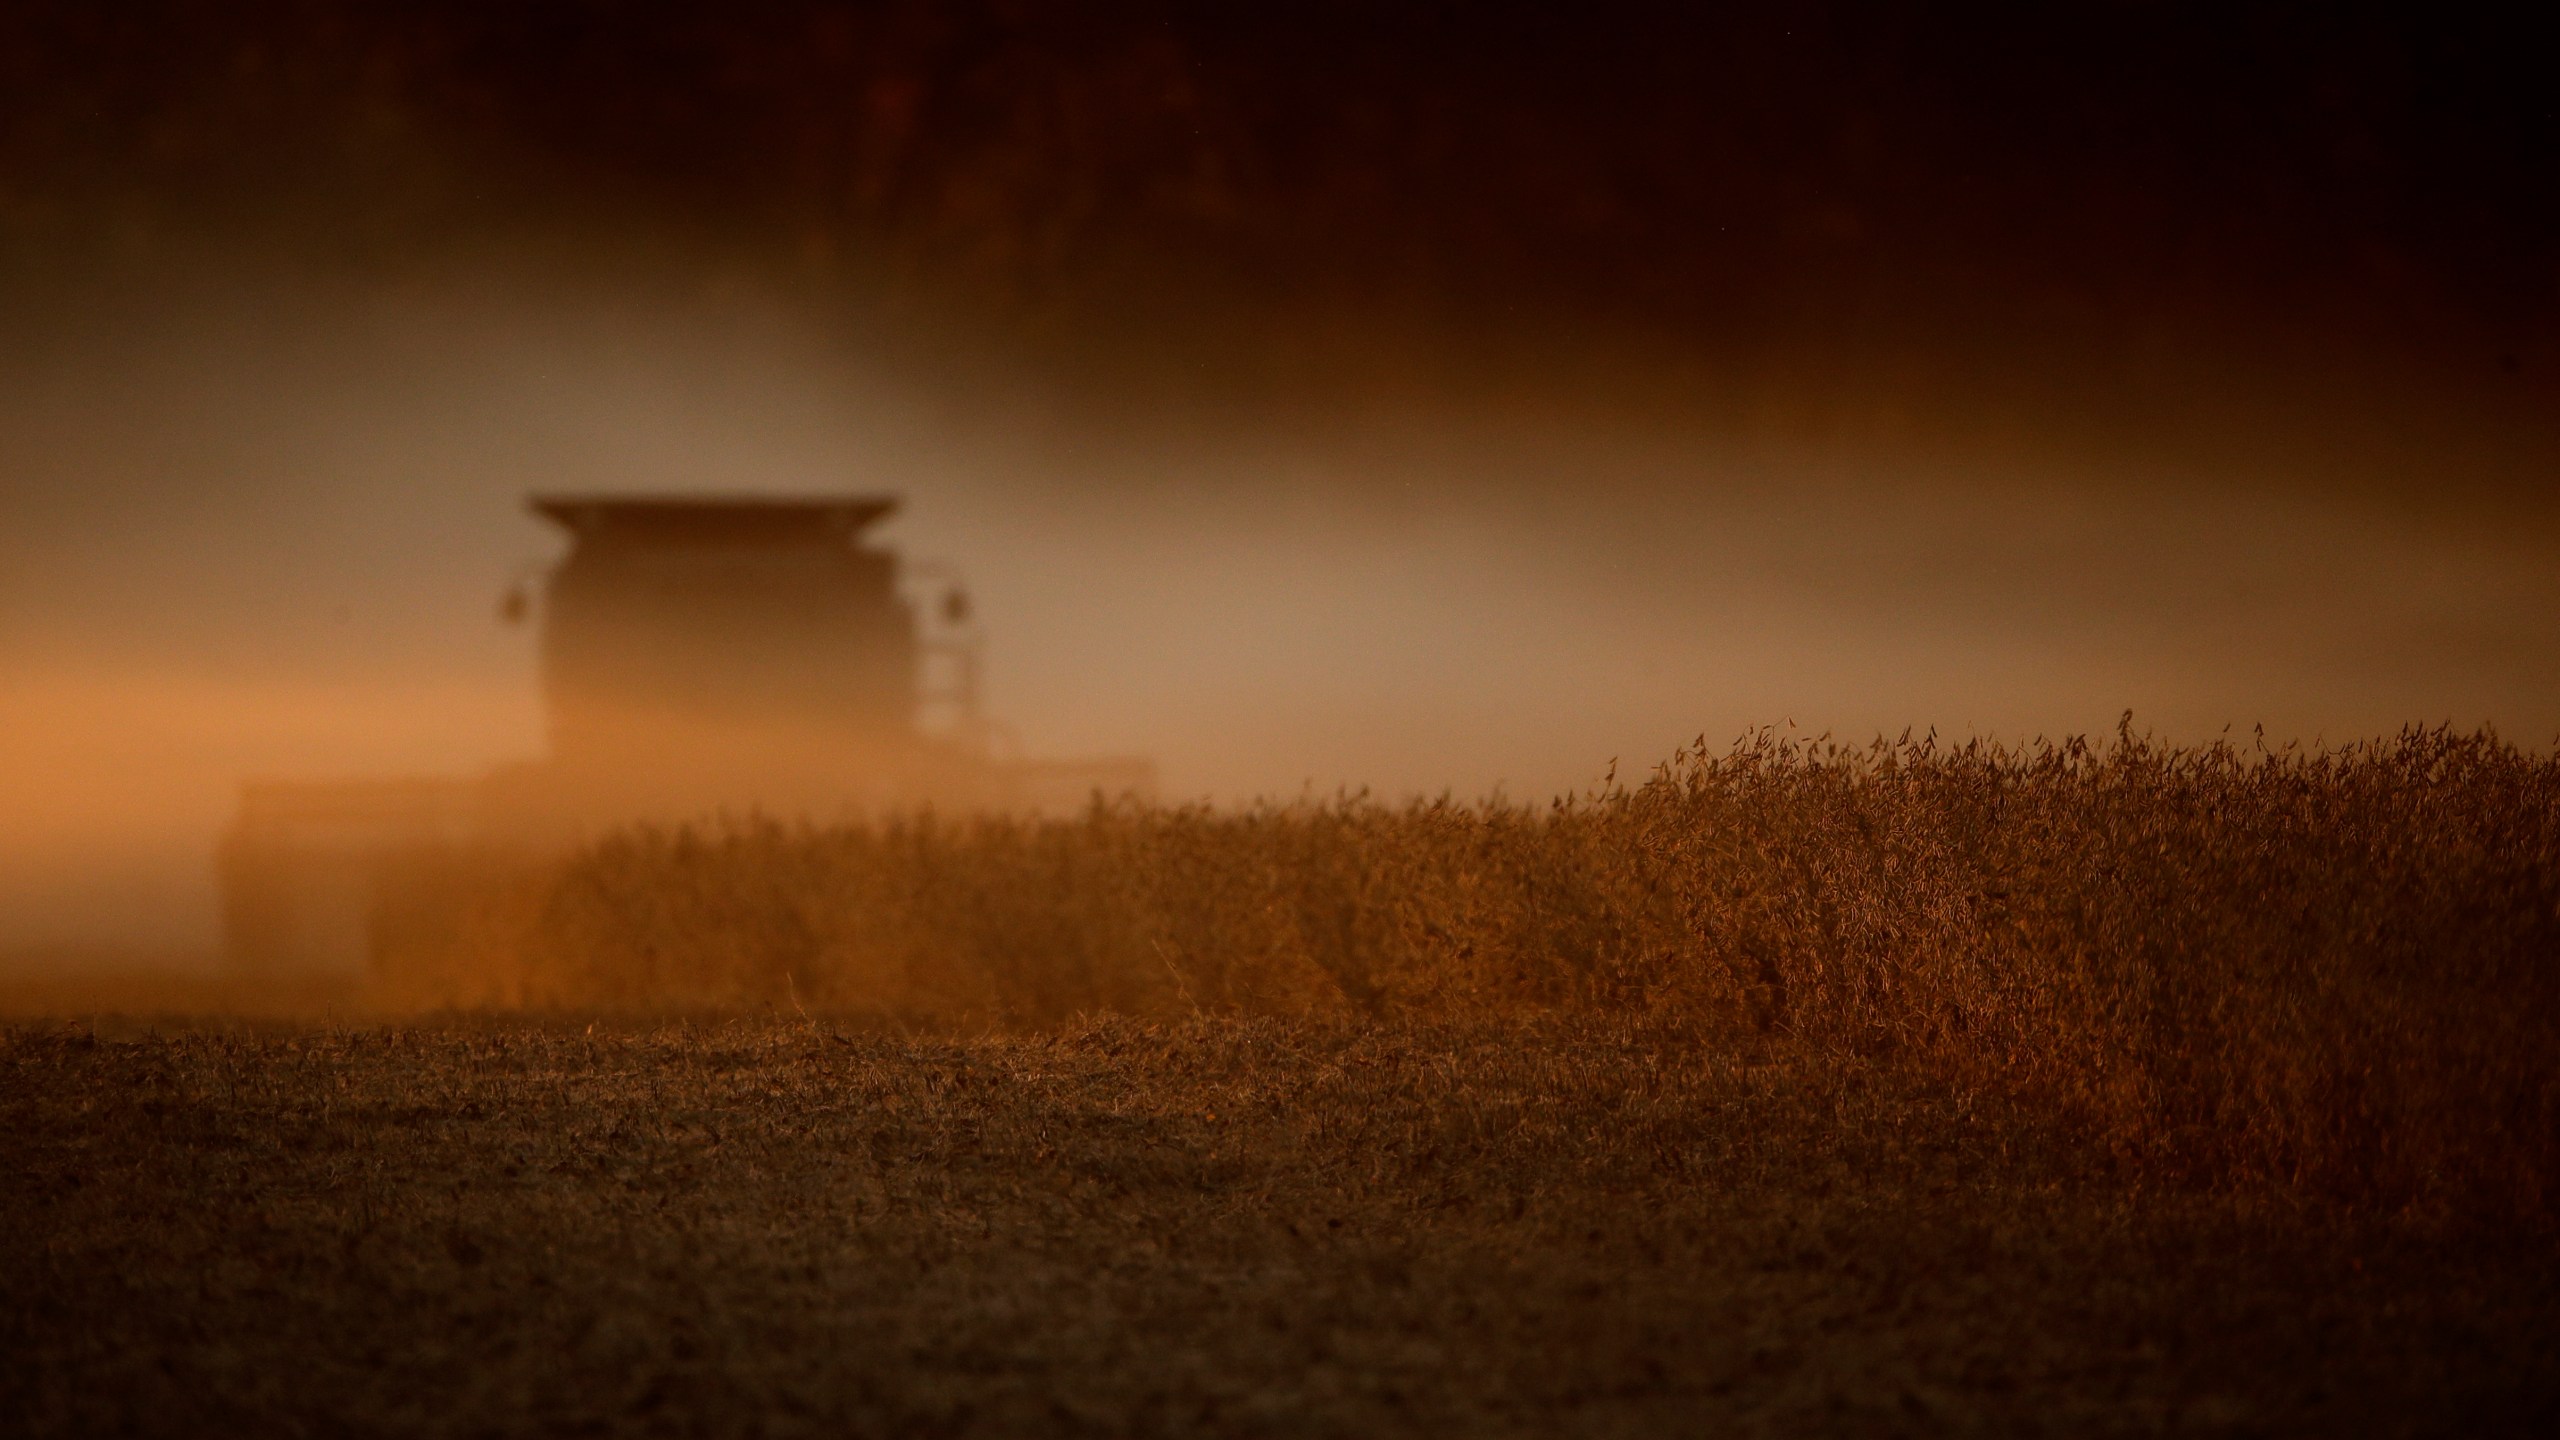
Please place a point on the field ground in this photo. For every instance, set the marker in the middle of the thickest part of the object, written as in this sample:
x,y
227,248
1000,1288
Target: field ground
x,y
1215,1227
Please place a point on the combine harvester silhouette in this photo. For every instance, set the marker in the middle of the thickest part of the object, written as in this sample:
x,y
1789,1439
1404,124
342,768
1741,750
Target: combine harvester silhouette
x,y
700,656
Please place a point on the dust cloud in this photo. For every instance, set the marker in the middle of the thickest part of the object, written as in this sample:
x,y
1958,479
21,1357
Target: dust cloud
x,y
1279,519
273,545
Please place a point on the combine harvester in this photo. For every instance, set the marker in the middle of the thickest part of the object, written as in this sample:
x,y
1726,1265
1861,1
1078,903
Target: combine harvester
x,y
700,657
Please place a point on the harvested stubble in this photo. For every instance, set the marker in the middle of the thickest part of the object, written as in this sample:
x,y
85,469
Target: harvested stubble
x,y
1579,1225
2334,974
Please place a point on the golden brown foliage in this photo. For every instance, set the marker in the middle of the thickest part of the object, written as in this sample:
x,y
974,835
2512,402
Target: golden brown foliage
x,y
2336,972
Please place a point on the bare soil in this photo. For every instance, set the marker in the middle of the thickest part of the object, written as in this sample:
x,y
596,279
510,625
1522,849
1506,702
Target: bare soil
x,y
1215,1227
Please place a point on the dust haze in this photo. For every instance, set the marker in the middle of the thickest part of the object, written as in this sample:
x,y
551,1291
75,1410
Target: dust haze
x,y
1302,512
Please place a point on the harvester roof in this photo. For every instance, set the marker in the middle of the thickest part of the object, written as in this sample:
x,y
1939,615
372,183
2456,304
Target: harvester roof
x,y
714,519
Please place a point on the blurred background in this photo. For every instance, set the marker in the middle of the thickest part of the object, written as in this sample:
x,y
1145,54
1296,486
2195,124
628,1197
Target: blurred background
x,y
1423,397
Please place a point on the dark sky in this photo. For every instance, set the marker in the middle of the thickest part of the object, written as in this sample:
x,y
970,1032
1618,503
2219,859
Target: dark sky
x,y
2020,186
1420,396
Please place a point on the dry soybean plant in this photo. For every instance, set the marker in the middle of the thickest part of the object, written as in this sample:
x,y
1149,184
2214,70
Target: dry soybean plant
x,y
2334,971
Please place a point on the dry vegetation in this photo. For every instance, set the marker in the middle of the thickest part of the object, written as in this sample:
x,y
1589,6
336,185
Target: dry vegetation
x,y
2337,974
1798,1090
